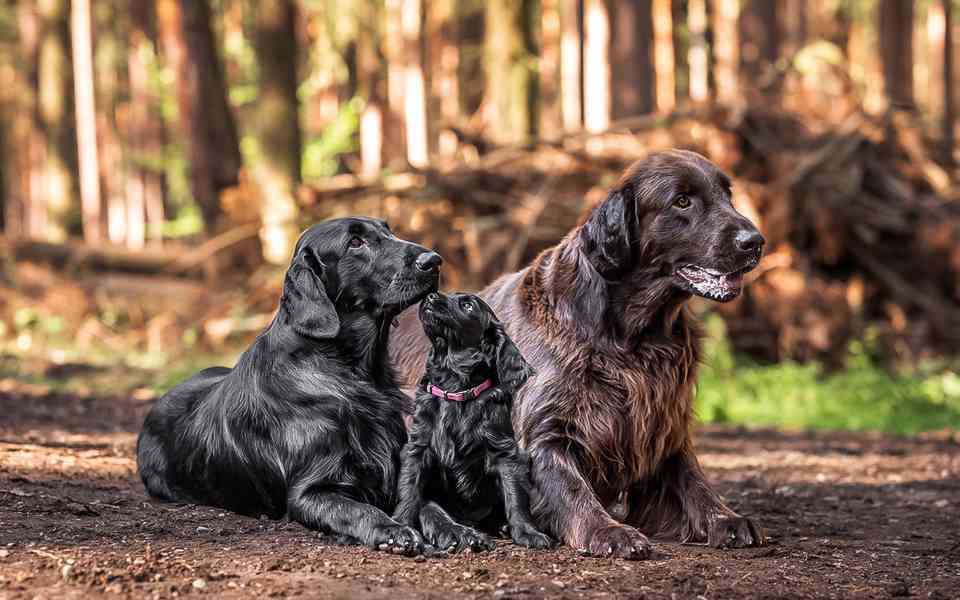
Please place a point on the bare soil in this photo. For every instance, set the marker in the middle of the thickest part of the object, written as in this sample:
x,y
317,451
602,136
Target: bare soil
x,y
849,516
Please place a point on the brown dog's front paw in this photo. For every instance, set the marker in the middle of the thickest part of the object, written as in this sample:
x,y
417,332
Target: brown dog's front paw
x,y
398,539
735,532
530,537
619,541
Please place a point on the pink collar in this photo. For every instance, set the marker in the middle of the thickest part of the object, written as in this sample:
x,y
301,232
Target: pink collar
x,y
463,396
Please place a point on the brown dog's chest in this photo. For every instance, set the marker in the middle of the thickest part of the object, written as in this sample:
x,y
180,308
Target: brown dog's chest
x,y
630,419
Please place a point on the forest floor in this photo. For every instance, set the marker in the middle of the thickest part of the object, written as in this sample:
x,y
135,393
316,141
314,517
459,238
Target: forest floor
x,y
848,515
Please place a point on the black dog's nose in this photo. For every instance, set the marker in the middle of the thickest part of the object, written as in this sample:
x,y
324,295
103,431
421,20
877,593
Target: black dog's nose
x,y
429,261
749,240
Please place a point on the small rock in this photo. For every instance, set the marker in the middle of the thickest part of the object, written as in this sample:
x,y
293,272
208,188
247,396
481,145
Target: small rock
x,y
66,571
199,584
202,529
559,583
941,503
4,553
419,558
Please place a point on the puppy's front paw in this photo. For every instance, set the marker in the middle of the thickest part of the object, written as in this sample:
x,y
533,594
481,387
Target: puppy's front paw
x,y
735,532
619,541
456,538
529,536
398,539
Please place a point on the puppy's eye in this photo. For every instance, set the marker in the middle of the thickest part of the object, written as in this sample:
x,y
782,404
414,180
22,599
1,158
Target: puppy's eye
x,y
357,242
467,306
682,201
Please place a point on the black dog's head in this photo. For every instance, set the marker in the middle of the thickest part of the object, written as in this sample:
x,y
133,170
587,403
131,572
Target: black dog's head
x,y
469,344
353,265
672,212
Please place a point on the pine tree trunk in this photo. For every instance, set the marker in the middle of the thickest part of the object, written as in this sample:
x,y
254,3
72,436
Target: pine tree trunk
x,y
510,57
633,77
56,188
896,51
205,118
664,65
759,41
277,127
414,87
597,79
144,135
112,170
550,112
698,56
369,67
395,150
726,49
571,53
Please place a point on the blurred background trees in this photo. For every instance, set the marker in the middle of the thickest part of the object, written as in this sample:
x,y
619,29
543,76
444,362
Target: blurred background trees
x,y
188,142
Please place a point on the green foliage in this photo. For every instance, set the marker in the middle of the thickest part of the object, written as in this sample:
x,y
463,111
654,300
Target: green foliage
x,y
320,153
862,397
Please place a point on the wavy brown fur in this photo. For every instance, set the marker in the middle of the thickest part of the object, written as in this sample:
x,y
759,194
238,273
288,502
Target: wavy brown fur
x,y
602,318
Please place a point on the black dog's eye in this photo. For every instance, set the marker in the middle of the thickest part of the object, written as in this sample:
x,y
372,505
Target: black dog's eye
x,y
682,201
356,242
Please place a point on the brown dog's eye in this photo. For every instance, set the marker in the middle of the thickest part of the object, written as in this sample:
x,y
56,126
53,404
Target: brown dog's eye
x,y
356,242
682,201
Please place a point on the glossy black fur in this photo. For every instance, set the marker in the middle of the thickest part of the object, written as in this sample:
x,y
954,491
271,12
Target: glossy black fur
x,y
462,469
309,422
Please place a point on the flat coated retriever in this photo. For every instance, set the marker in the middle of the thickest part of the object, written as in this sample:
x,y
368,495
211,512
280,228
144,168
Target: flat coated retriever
x,y
462,468
309,422
602,318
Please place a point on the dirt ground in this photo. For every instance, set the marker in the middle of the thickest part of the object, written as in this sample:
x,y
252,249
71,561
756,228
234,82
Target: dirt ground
x,y
849,516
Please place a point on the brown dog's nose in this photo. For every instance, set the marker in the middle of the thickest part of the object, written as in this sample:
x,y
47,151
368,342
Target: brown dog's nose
x,y
429,261
748,240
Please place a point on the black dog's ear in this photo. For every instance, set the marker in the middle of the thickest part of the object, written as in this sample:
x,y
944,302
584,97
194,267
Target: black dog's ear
x,y
606,234
309,310
512,369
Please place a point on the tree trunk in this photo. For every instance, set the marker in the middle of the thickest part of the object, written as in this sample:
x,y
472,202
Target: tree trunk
x,y
725,49
759,45
112,170
56,187
596,66
144,134
205,118
896,51
444,60
277,127
633,77
414,88
550,112
664,65
698,56
510,55
369,67
949,108
571,53
395,150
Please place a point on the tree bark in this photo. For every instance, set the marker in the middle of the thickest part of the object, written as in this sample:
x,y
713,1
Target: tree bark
x,y
277,127
633,77
56,187
510,57
205,118
725,49
896,51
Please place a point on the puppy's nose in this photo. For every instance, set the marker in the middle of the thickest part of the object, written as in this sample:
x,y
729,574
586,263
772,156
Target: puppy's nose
x,y
429,261
748,240
433,297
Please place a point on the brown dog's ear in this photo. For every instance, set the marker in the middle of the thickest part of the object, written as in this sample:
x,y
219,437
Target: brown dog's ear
x,y
606,234
309,310
512,369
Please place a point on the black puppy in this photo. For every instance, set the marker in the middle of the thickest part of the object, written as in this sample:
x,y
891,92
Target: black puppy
x,y
462,467
309,422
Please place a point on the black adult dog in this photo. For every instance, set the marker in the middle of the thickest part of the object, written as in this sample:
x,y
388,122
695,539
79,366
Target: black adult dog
x,y
309,422
462,453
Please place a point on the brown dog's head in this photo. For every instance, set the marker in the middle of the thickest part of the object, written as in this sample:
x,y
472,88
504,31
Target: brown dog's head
x,y
670,219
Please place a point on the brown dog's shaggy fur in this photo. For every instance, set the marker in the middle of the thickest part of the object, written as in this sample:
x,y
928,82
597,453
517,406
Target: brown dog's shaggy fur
x,y
602,319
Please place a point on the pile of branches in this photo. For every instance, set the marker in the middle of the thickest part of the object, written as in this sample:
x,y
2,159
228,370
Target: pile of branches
x,y
863,225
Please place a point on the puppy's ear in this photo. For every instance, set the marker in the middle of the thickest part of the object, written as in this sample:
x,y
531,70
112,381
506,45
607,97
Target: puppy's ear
x,y
309,310
512,369
606,233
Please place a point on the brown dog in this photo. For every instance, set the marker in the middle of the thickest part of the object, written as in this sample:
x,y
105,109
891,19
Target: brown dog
x,y
602,319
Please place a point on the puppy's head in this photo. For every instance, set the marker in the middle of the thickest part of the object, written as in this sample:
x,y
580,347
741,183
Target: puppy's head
x,y
470,343
671,213
354,265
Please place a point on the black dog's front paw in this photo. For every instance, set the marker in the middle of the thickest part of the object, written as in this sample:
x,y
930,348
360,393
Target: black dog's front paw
x,y
456,538
619,541
530,537
735,532
398,539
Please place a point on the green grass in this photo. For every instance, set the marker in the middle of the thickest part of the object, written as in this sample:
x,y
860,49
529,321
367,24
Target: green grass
x,y
861,397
